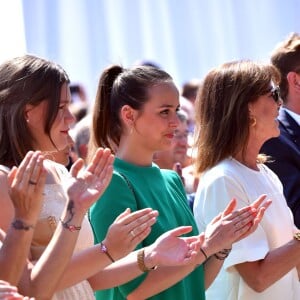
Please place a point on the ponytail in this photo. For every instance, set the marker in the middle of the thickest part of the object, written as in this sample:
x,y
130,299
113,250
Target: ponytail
x,y
103,116
118,87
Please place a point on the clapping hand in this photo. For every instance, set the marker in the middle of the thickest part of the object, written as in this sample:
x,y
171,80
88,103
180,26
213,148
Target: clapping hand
x,y
128,230
230,226
172,250
9,292
26,184
87,185
258,207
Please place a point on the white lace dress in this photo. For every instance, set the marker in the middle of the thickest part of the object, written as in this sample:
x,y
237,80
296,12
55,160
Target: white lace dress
x,y
52,208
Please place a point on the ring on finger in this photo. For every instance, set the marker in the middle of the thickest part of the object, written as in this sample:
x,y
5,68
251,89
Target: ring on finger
x,y
132,233
32,182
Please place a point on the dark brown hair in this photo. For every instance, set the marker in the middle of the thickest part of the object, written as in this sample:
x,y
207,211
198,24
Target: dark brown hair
x,y
26,80
118,87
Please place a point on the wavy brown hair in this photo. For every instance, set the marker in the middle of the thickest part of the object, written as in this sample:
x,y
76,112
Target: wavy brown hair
x,y
26,80
222,116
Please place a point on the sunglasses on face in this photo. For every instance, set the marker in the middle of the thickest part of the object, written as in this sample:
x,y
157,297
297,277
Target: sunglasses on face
x,y
275,93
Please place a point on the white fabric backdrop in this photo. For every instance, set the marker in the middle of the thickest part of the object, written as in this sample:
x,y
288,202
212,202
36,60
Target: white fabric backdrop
x,y
185,37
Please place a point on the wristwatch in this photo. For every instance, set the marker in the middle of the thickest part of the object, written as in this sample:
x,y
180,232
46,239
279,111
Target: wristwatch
x,y
297,236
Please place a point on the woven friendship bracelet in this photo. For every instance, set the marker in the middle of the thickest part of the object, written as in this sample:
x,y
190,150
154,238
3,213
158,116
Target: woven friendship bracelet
x,y
70,227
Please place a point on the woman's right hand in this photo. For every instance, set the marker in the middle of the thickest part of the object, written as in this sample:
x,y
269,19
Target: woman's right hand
x,y
131,229
26,184
9,292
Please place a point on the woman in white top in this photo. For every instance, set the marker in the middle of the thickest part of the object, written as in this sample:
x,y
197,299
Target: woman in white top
x,y
236,113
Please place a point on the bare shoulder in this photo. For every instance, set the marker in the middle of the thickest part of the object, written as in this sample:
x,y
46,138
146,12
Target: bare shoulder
x,y
7,208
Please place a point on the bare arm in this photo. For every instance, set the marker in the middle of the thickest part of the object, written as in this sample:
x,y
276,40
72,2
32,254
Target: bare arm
x,y
90,261
259,275
83,190
241,225
26,199
10,292
225,229
168,250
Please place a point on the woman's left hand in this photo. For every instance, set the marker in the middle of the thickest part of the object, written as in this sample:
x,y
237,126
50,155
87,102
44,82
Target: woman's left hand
x,y
231,226
87,185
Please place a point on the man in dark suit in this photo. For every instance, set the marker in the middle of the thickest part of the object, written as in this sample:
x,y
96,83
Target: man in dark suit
x,y
285,150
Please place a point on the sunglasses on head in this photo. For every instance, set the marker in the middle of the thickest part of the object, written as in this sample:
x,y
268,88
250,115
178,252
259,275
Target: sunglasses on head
x,y
275,93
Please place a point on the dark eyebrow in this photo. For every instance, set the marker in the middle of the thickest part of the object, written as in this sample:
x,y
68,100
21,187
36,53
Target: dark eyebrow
x,y
65,101
168,106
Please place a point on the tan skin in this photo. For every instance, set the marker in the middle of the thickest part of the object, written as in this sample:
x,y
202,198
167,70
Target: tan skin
x,y
10,292
57,269
177,153
84,189
176,157
63,156
137,145
261,274
27,202
293,98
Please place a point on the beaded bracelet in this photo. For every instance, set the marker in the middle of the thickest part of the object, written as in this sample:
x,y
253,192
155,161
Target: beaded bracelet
x,y
104,250
221,255
70,227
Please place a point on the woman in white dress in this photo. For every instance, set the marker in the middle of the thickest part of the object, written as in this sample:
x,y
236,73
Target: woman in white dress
x,y
236,113
35,115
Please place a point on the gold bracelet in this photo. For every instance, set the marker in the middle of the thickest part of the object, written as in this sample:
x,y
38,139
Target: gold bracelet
x,y
141,262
